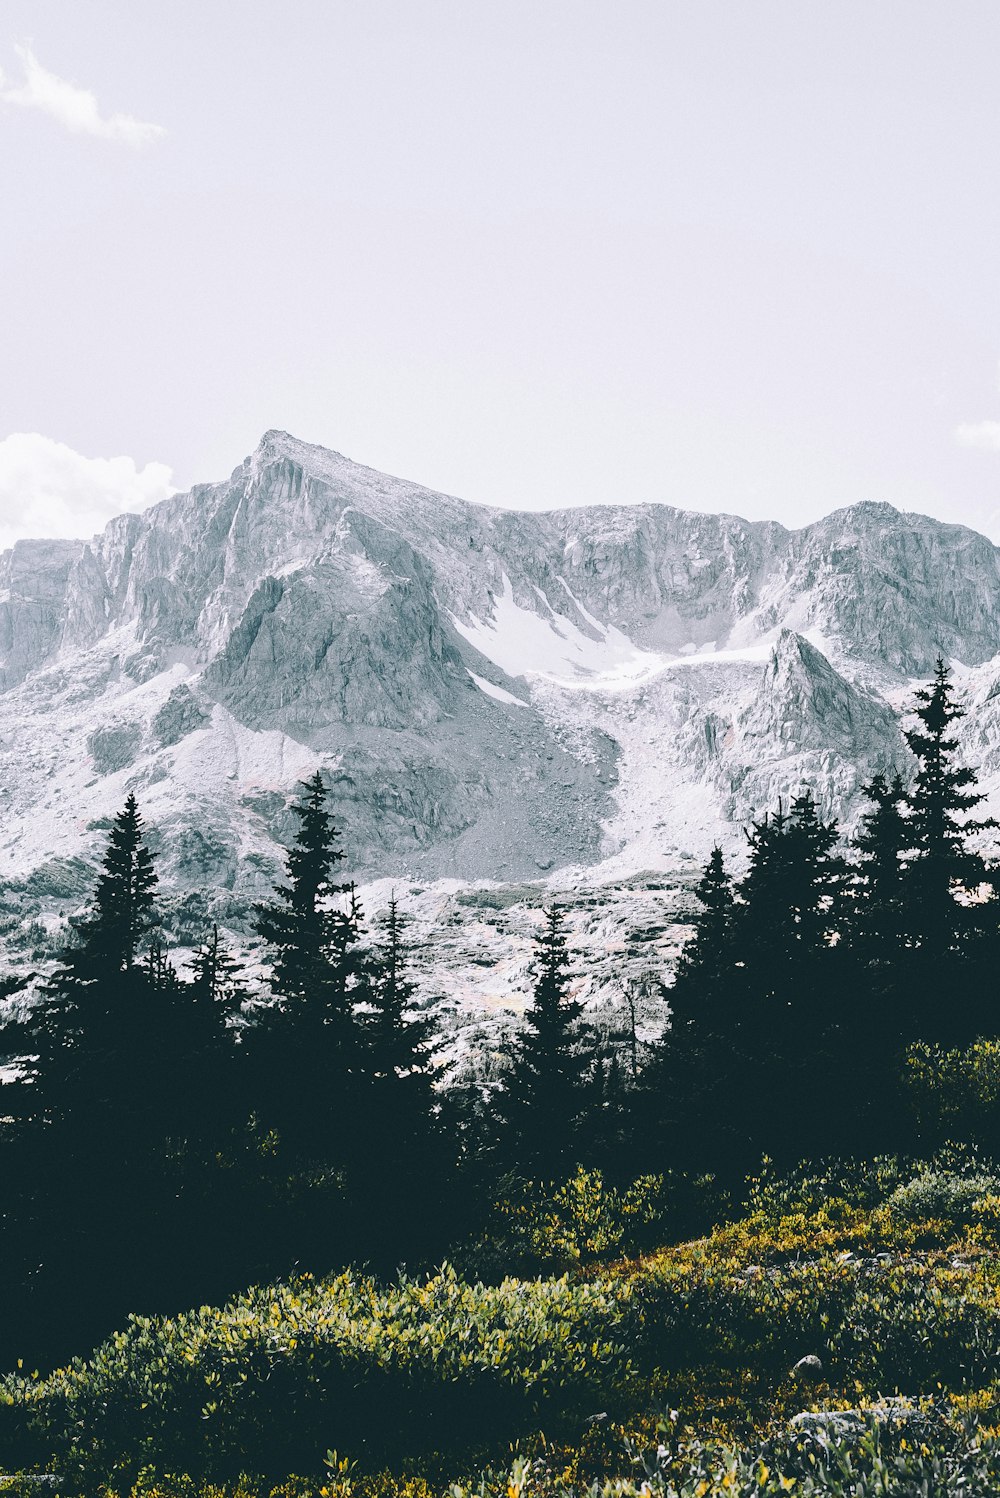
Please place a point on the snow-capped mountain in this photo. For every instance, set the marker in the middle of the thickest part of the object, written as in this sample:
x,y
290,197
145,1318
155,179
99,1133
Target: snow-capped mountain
x,y
572,697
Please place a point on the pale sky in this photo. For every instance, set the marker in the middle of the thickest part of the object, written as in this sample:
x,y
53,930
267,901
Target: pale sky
x,y
733,256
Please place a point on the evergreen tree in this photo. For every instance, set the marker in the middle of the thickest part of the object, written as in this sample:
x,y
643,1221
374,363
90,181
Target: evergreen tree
x,y
92,1030
791,916
108,940
756,1011
940,824
682,1106
543,1095
101,1097
307,1048
303,926
402,1159
793,890
399,1043
704,980
216,975
883,838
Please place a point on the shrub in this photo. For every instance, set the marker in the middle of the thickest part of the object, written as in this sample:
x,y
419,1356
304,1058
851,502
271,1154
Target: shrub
x,y
942,1196
878,1459
955,1094
544,1228
441,1370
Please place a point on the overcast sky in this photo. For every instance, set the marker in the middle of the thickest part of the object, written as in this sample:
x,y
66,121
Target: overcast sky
x,y
740,256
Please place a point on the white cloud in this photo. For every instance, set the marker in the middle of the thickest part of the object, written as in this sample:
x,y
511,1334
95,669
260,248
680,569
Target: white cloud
x,y
985,434
72,106
47,489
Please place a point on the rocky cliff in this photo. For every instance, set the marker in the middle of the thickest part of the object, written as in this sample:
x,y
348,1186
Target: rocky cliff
x,y
578,695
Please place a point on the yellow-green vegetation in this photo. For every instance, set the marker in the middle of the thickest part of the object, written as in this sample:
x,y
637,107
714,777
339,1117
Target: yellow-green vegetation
x,y
955,1093
416,1382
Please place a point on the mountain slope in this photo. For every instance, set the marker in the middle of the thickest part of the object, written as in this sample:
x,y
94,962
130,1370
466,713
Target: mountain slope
x,y
493,694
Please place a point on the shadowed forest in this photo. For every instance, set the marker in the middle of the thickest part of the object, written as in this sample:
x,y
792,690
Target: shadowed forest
x,y
804,1164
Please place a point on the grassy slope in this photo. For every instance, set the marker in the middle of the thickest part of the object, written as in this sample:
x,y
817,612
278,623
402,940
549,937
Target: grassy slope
x,y
442,1376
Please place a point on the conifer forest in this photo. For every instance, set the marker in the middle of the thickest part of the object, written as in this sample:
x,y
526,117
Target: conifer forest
x,y
268,1242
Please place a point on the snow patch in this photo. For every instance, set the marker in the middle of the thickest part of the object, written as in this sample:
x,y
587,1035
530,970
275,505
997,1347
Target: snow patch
x,y
522,643
497,693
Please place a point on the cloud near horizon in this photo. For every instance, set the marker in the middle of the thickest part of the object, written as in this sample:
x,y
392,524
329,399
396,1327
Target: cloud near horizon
x,y
49,491
982,434
72,106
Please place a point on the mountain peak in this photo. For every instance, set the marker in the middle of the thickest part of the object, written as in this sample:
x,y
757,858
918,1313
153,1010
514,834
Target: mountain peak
x,y
276,443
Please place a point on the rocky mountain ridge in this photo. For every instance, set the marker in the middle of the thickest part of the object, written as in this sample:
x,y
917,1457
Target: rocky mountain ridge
x,y
567,698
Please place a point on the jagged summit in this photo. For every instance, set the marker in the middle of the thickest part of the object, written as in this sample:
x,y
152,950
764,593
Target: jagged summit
x,y
491,693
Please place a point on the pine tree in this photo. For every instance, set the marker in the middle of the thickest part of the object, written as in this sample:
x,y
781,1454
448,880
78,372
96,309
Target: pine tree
x,y
703,979
104,1096
543,1095
109,939
681,1108
93,1025
792,895
883,838
402,1160
216,975
941,827
399,1043
308,1047
302,925
792,983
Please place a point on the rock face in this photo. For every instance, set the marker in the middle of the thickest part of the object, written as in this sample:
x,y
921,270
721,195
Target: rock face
x,y
578,695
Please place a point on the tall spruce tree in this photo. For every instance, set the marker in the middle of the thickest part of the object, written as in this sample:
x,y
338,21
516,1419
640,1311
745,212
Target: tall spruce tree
x,y
399,1043
109,939
92,1031
793,978
793,889
703,980
883,838
543,1094
941,827
402,1160
305,924
308,1045
682,1106
102,1098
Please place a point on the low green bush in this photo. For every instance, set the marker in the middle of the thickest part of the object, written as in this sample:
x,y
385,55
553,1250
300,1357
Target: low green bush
x,y
880,1460
278,1375
940,1196
546,1228
447,1370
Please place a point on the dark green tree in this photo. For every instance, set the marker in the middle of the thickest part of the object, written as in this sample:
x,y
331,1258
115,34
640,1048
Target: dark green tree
x,y
757,1007
109,938
883,838
793,891
403,1158
306,1052
305,925
399,1042
93,1032
543,1094
941,827
704,985
100,1098
682,1107
216,975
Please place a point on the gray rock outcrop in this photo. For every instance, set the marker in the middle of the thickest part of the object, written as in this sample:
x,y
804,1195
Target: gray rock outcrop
x,y
491,694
